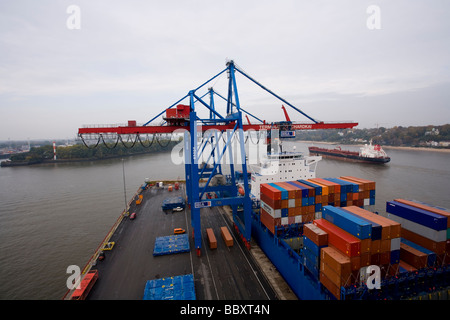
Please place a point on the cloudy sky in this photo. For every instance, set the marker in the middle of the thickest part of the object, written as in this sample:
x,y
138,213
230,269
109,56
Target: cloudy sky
x,y
132,59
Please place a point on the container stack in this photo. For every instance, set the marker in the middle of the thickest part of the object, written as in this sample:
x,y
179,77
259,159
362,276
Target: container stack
x,y
425,233
302,201
357,238
314,239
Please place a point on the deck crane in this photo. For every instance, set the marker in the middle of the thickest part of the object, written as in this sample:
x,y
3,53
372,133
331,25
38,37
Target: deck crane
x,y
199,132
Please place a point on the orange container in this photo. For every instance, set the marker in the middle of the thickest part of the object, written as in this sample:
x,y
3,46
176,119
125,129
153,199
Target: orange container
x,y
211,238
412,256
438,247
290,189
226,236
327,283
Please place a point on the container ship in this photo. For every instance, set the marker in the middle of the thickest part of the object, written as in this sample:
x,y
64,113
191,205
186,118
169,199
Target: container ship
x,y
318,233
369,153
310,238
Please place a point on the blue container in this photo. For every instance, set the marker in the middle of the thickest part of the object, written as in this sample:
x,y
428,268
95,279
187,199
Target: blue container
x,y
317,188
311,201
343,197
423,217
284,212
431,260
345,187
395,256
351,187
305,202
372,194
376,228
311,246
318,207
305,191
284,192
371,201
311,257
342,219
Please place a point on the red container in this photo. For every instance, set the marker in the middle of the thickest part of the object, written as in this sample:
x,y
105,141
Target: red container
x,y
315,234
132,123
342,240
275,204
270,191
269,221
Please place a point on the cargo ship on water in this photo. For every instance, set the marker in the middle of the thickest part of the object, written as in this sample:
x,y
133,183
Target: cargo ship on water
x,y
316,235
369,153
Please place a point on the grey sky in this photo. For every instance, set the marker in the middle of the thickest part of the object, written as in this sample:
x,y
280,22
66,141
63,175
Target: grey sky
x,y
131,59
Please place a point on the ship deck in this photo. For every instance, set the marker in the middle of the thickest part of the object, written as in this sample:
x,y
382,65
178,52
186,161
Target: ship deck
x,y
225,273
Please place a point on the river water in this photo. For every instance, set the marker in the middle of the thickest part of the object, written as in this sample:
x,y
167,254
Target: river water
x,y
53,216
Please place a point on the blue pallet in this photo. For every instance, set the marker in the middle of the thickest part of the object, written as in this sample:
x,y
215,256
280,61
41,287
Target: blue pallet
x,y
431,259
423,217
342,219
171,244
170,288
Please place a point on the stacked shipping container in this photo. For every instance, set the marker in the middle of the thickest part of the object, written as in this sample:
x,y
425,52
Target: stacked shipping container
x,y
301,201
357,238
425,233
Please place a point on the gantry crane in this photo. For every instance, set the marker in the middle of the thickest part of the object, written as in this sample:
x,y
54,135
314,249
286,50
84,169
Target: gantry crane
x,y
216,127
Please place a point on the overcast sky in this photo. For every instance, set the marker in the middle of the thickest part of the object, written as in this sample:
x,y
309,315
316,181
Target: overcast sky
x,y
129,60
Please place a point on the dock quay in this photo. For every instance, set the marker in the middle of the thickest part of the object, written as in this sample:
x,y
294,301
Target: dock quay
x,y
223,273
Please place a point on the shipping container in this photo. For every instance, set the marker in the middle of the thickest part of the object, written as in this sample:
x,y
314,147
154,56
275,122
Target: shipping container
x,y
438,247
340,239
431,256
412,256
330,286
211,238
427,208
317,235
419,216
348,222
376,228
284,192
317,188
226,236
423,230
270,191
390,229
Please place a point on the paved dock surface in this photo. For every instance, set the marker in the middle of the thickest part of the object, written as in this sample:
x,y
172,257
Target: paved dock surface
x,y
225,273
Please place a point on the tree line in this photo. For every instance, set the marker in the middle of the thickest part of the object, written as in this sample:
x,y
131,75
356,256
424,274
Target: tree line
x,y
412,136
80,152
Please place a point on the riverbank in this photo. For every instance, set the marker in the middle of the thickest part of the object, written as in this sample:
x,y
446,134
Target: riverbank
x,y
9,163
445,150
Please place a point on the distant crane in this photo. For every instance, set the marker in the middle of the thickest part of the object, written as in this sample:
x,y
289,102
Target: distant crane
x,y
215,128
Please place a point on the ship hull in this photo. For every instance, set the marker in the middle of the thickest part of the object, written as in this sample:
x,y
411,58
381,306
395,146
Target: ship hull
x,y
346,155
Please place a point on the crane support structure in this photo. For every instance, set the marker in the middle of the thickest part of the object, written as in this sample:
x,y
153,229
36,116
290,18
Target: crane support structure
x,y
211,131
